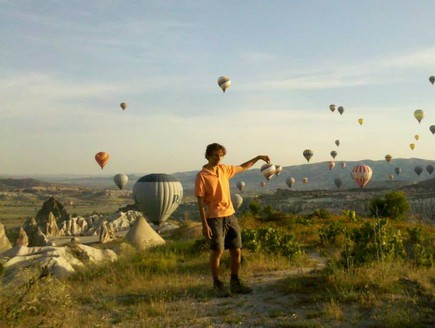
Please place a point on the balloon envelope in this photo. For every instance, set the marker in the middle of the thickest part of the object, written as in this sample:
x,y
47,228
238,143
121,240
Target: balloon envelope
x,y
432,79
417,137
432,129
268,170
429,169
290,181
331,165
308,153
333,154
305,180
102,158
278,170
412,146
332,107
120,180
157,196
388,157
341,110
390,177
362,175
418,169
224,82
123,105
343,165
338,182
398,170
241,185
419,115
360,121
237,201
337,142
263,183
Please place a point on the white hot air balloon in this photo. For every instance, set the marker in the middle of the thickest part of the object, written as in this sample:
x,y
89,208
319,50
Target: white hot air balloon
x,y
157,196
120,180
268,170
241,185
290,181
224,82
237,201
278,170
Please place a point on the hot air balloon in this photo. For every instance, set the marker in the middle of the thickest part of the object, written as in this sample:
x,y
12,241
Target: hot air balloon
x,y
341,110
343,165
304,180
419,115
120,180
278,170
123,105
224,82
241,185
338,182
418,170
333,154
416,137
362,174
388,157
237,201
390,177
102,158
290,181
308,153
157,196
337,142
331,165
432,79
360,121
398,170
432,129
263,183
412,146
268,170
429,169
332,107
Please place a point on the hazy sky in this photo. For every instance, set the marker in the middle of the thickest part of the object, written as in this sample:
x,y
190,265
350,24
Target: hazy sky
x,y
66,66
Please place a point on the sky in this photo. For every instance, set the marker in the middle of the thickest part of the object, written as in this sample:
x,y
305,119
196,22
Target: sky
x,y
67,65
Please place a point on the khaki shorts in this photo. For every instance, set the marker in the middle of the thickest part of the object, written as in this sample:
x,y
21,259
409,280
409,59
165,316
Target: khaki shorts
x,y
226,233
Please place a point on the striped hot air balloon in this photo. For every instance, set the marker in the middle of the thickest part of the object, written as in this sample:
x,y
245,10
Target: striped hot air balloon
x,y
102,158
224,82
268,170
362,174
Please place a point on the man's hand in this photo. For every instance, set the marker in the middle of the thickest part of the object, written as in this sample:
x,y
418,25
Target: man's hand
x,y
206,231
265,158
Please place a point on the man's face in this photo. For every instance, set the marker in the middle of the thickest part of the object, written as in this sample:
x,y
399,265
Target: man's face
x,y
216,157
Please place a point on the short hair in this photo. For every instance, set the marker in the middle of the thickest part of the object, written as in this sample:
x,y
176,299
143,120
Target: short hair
x,y
212,148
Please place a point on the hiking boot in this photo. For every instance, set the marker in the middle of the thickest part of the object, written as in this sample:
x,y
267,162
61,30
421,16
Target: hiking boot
x,y
238,288
220,289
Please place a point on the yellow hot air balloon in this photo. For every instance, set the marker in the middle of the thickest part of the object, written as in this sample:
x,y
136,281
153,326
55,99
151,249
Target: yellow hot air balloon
x,y
304,180
360,121
419,114
388,157
417,137
224,82
102,158
123,105
412,146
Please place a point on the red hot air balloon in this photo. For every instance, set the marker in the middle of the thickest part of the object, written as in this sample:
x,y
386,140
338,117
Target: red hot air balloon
x,y
102,158
362,175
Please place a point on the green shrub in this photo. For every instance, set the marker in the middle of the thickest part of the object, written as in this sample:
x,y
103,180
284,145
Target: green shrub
x,y
320,214
329,233
271,241
421,250
393,205
254,207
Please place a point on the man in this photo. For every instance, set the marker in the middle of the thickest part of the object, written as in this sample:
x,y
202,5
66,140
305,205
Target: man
x,y
219,225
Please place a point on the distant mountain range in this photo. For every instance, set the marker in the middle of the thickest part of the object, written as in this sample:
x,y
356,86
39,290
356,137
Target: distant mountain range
x,y
318,174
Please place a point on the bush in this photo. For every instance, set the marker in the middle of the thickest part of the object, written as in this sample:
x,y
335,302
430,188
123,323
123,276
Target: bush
x,y
320,213
329,233
421,250
270,241
393,205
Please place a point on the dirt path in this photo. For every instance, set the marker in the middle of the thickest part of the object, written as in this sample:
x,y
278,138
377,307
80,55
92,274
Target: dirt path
x,y
267,306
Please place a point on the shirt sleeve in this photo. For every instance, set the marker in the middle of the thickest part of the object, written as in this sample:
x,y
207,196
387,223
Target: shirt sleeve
x,y
199,186
232,170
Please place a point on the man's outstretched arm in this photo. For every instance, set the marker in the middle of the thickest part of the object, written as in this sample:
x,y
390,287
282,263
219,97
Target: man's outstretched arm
x,y
251,162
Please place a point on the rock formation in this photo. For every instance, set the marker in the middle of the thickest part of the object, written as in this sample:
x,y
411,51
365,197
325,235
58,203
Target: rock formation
x,y
51,228
23,239
5,244
107,234
142,236
54,207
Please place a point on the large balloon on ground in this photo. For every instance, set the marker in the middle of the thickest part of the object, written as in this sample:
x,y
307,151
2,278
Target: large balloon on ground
x,y
224,82
308,153
120,180
362,175
268,170
237,201
419,115
157,196
102,158
241,185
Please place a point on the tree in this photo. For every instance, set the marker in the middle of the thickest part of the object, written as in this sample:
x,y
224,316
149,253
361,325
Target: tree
x,y
393,205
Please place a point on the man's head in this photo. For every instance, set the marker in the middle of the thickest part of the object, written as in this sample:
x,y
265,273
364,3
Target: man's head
x,y
214,153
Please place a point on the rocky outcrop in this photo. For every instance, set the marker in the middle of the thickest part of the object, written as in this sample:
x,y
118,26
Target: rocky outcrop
x,y
23,239
51,228
142,236
4,241
107,234
54,207
34,233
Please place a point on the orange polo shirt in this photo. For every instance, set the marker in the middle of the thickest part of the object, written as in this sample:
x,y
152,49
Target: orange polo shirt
x,y
215,189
